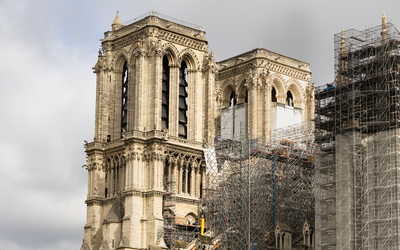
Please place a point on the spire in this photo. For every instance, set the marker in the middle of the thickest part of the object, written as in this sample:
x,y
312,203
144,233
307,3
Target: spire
x,y
117,24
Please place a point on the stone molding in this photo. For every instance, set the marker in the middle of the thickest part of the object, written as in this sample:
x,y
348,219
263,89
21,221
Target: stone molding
x,y
143,136
162,23
164,33
261,58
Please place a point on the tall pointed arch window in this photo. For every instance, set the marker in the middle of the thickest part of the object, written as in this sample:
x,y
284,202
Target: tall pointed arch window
x,y
183,100
289,99
273,95
124,106
165,94
232,99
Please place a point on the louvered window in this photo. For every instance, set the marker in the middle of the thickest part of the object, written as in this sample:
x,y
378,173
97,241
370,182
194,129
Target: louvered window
x,y
165,94
183,97
124,106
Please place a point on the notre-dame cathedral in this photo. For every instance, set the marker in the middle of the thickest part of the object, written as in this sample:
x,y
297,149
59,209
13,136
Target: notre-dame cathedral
x,y
158,94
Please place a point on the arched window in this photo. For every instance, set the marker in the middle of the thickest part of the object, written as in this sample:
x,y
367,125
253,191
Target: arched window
x,y
189,178
165,94
166,176
124,107
232,99
289,99
246,98
183,96
201,189
273,95
183,179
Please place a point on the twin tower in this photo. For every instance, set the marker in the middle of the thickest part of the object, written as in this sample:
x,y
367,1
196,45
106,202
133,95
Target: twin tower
x,y
159,97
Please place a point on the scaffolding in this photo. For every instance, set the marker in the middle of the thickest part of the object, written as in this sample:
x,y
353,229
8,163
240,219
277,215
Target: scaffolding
x,y
251,185
357,130
176,230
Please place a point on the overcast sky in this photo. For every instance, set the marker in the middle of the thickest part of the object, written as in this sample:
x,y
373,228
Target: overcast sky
x,y
47,88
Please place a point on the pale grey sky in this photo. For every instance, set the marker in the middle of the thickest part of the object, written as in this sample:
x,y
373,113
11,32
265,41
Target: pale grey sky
x,y
47,88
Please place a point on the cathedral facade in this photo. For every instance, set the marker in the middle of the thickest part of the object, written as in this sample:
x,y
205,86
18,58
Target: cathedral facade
x,y
159,94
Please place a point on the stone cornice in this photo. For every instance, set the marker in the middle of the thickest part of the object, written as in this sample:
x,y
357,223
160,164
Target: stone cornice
x,y
262,58
187,199
162,23
157,27
185,150
94,201
133,193
176,141
143,136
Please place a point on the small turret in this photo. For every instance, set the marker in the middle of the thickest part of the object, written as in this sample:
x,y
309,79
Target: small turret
x,y
117,24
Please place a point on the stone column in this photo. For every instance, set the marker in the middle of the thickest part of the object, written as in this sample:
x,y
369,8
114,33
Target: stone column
x,y
193,182
252,112
157,90
186,189
179,181
169,179
108,181
112,180
173,100
89,181
130,172
197,177
175,176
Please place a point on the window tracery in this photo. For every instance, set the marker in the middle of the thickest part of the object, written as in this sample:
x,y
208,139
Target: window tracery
x,y
124,106
165,94
183,101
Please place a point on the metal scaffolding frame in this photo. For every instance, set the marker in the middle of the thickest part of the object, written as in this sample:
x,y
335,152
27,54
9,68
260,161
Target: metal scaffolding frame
x,y
357,129
174,229
251,185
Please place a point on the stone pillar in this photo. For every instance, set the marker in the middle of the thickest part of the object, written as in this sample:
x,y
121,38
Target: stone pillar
x,y
175,176
157,90
141,88
89,182
197,178
173,103
192,182
267,112
186,189
108,181
252,112
209,69
170,169
129,175
112,180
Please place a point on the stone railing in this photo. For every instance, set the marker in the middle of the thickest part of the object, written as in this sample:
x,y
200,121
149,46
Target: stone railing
x,y
143,136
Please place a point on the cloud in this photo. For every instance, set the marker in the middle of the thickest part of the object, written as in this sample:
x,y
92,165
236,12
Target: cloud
x,y
47,110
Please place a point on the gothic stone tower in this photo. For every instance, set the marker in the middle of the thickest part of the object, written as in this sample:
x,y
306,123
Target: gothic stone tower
x,y
154,84
267,90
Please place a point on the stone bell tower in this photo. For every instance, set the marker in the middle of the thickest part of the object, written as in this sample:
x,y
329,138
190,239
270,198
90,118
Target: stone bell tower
x,y
154,101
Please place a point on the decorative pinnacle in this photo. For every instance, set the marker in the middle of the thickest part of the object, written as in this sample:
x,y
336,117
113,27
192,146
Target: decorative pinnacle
x,y
343,43
384,32
384,19
117,20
